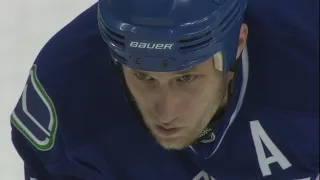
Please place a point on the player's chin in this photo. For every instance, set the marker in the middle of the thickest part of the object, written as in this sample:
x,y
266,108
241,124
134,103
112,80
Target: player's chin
x,y
174,143
177,142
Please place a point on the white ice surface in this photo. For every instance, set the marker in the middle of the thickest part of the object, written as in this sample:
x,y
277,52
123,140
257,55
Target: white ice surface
x,y
25,26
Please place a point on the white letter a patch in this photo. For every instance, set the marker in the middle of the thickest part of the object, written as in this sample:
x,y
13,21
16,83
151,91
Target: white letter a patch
x,y
260,136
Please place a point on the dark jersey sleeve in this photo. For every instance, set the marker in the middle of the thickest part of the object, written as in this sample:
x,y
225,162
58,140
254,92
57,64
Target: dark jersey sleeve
x,y
283,48
33,167
47,113
35,131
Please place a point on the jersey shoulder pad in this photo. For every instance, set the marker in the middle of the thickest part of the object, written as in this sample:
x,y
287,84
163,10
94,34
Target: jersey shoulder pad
x,y
35,114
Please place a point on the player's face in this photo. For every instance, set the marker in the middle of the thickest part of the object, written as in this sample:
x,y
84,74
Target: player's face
x,y
177,106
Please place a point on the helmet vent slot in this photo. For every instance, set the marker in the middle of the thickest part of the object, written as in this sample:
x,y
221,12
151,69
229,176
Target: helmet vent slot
x,y
195,43
117,57
228,20
109,36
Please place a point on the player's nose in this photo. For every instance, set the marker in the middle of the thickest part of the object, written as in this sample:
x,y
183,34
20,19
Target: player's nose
x,y
166,108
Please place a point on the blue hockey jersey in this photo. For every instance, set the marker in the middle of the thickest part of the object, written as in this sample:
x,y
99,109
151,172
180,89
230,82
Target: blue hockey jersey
x,y
73,121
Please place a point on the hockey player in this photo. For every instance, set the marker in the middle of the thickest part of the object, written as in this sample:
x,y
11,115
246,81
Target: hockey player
x,y
164,90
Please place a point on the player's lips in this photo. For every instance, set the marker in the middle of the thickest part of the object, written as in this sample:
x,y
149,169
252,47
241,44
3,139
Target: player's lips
x,y
165,132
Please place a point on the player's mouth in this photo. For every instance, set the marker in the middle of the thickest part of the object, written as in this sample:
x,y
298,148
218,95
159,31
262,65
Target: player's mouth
x,y
166,132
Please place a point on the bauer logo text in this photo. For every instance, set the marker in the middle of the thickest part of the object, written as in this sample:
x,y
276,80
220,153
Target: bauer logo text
x,y
143,45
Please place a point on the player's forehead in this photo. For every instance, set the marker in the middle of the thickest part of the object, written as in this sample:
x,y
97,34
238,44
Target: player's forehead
x,y
200,68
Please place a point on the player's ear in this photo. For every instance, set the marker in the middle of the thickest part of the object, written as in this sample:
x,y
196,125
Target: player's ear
x,y
242,39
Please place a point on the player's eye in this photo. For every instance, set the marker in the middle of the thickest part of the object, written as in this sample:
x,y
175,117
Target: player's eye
x,y
187,78
143,77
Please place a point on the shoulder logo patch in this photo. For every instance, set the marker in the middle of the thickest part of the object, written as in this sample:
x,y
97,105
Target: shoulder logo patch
x,y
35,115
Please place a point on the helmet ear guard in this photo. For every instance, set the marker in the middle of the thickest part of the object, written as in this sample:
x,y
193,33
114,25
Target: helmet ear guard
x,y
164,36
218,61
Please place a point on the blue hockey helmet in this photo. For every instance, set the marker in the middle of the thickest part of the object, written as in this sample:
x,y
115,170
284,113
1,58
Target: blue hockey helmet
x,y
171,35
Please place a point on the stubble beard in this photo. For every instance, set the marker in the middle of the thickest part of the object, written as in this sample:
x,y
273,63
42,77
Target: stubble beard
x,y
193,134
180,142
188,137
